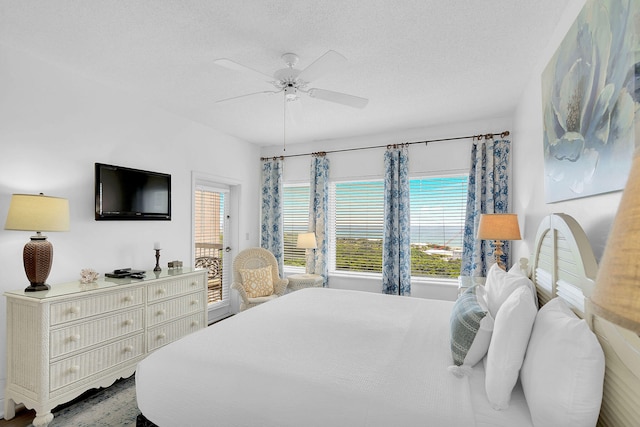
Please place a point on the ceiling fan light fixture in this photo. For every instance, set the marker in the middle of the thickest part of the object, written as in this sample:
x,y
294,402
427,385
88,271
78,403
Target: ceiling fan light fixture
x,y
290,93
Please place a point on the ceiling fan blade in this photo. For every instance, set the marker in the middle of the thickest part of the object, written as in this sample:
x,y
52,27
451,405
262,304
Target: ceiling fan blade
x,y
232,65
328,62
234,98
340,98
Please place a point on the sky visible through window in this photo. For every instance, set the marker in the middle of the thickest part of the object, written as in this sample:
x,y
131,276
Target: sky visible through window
x,y
437,209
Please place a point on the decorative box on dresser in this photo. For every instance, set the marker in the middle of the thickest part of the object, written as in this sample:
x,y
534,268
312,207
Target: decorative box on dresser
x,y
75,337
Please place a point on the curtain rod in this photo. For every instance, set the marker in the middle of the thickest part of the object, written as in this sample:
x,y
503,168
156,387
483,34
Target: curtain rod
x,y
322,153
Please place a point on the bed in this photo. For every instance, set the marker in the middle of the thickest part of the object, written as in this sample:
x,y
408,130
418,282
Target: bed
x,y
327,357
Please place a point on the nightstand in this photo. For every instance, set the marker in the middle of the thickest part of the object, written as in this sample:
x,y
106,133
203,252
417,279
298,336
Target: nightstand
x,y
465,282
301,281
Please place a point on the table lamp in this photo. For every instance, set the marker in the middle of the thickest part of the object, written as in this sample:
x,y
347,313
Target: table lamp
x,y
31,212
499,227
616,296
307,241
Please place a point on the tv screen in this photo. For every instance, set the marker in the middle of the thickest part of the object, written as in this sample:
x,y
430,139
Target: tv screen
x,y
131,194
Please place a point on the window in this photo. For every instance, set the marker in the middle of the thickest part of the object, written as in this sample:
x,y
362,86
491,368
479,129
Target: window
x,y
356,225
438,207
295,220
437,211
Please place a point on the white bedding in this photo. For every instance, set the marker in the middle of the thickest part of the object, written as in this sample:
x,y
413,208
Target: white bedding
x,y
315,357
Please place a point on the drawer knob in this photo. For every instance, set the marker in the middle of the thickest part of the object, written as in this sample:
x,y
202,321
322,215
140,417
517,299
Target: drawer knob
x,y
162,291
74,310
75,338
128,298
162,336
128,349
195,323
194,283
194,302
74,369
161,312
128,322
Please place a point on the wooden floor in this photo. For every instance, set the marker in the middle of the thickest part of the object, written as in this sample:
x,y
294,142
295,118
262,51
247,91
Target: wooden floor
x,y
22,419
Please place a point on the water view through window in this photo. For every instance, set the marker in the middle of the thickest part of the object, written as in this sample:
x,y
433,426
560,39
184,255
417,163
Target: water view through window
x,y
437,211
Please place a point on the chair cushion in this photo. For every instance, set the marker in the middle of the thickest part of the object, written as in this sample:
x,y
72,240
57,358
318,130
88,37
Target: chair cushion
x,y
257,282
260,300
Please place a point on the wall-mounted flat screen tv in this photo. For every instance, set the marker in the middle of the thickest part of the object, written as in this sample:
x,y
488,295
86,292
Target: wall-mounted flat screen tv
x,y
131,194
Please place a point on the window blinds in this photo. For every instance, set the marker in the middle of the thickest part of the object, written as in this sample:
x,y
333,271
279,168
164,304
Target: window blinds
x,y
356,216
295,218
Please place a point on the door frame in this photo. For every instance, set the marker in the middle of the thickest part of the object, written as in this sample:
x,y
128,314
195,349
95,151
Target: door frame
x,y
219,311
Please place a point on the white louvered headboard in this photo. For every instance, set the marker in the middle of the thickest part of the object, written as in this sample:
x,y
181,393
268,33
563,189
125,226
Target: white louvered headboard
x,y
564,266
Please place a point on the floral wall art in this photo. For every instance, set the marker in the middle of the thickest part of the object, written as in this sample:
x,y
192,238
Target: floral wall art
x,y
590,99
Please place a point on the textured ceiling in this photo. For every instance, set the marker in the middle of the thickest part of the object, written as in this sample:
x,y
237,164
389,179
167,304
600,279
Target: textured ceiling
x,y
419,62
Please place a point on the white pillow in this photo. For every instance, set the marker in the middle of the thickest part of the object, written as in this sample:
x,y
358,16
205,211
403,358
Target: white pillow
x,y
563,369
511,332
515,269
501,284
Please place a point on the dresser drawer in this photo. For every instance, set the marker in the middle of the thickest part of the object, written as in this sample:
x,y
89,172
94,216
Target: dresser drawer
x,y
169,288
164,334
67,311
82,335
177,307
75,368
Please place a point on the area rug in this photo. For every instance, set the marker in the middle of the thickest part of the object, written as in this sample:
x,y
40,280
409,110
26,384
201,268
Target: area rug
x,y
109,407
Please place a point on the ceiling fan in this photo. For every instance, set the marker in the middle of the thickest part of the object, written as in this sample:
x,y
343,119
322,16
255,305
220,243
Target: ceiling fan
x,y
294,82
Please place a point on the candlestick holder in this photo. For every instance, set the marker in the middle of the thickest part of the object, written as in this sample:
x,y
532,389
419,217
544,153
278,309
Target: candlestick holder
x,y
157,267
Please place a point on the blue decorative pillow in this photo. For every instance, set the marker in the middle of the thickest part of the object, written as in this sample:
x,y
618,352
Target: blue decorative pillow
x,y
471,328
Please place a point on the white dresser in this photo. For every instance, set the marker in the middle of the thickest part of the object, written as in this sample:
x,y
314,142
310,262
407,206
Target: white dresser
x,y
75,337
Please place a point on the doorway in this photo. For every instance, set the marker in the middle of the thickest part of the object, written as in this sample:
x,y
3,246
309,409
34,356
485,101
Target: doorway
x,y
212,242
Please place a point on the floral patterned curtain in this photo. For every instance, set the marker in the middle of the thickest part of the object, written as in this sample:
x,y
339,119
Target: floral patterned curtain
x,y
318,215
488,193
272,234
396,247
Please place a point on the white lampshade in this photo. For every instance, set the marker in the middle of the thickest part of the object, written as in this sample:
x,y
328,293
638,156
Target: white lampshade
x,y
616,296
36,212
307,241
499,227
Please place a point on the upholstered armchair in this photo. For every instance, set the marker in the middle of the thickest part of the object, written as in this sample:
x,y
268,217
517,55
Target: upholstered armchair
x,y
256,277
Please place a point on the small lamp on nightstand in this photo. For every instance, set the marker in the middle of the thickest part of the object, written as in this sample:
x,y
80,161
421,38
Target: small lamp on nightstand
x,y
307,241
37,212
499,227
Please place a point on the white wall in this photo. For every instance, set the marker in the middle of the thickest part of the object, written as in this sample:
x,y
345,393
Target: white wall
x,y
54,124
437,158
595,213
